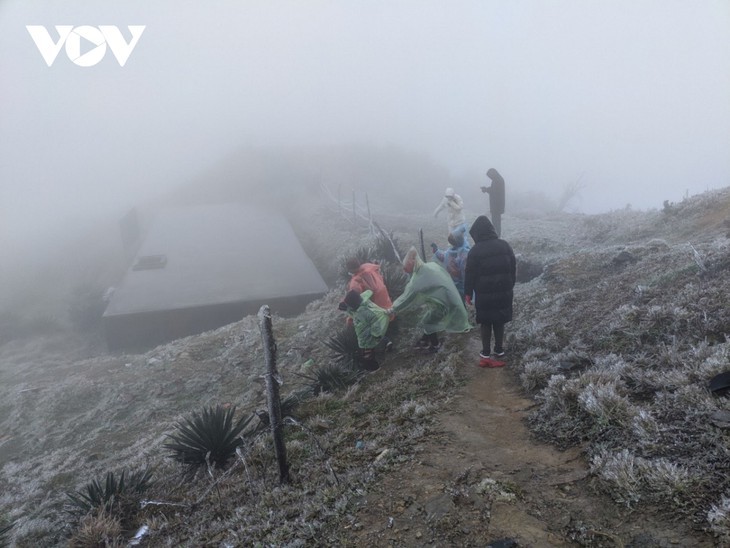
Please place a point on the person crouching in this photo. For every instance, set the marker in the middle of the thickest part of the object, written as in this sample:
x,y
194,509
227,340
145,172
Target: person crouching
x,y
370,322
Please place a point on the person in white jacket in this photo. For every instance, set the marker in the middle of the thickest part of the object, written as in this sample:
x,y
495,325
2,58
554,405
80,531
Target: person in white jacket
x,y
454,206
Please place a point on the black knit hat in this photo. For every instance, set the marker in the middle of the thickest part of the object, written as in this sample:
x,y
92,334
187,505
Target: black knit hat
x,y
353,299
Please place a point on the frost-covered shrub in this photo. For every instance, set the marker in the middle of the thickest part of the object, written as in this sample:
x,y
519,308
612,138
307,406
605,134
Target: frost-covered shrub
x,y
607,408
620,472
719,519
591,404
536,375
629,478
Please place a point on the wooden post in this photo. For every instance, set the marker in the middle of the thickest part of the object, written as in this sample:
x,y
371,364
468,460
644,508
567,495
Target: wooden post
x,y
272,392
370,217
354,216
423,247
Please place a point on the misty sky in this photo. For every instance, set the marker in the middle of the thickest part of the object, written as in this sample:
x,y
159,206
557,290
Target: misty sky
x,y
631,96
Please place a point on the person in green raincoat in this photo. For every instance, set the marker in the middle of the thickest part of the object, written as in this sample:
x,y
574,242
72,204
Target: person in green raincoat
x,y
370,322
432,289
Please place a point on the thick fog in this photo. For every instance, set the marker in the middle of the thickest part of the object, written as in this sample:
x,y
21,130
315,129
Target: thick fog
x,y
628,98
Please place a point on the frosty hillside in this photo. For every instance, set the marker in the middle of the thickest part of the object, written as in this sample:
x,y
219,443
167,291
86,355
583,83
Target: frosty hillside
x,y
616,341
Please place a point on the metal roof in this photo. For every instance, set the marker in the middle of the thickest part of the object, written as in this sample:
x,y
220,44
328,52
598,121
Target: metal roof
x,y
216,254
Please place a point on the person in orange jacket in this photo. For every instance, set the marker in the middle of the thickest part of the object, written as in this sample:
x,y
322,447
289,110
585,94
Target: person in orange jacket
x,y
366,276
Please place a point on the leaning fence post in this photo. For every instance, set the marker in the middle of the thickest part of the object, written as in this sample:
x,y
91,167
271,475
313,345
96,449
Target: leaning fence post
x,y
272,392
354,213
370,217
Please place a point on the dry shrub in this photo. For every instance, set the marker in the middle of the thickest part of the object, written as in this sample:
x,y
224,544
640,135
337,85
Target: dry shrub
x,y
98,531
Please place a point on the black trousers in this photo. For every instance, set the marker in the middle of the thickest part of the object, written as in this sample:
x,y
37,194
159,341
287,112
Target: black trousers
x,y
497,223
487,328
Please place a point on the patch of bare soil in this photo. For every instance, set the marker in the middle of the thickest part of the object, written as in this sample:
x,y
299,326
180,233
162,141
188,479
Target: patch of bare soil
x,y
485,481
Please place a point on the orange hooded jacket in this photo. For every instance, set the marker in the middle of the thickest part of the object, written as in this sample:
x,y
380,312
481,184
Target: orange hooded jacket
x,y
368,276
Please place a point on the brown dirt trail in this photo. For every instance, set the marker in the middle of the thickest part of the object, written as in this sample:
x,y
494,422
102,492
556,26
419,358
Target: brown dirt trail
x,y
484,478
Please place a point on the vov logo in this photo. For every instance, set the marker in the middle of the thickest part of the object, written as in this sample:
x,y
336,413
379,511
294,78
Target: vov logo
x,y
97,37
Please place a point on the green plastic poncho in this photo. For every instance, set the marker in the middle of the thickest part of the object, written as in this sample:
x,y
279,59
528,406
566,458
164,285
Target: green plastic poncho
x,y
370,321
431,288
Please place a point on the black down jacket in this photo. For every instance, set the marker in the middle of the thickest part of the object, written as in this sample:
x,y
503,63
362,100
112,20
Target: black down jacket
x,y
490,273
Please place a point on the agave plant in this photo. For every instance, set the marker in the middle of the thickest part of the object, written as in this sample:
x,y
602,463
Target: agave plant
x,y
208,436
395,279
345,350
383,248
5,534
104,495
364,254
332,377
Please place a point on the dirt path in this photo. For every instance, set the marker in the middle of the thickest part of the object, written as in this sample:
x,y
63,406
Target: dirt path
x,y
485,479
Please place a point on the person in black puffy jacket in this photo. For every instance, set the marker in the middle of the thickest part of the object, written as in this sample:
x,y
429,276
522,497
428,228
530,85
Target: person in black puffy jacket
x,y
490,274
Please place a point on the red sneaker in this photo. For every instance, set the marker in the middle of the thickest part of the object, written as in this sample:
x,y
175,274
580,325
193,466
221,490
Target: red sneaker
x,y
489,362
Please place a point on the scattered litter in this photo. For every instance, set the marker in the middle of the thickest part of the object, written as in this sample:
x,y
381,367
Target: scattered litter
x,y
720,384
359,444
382,455
141,532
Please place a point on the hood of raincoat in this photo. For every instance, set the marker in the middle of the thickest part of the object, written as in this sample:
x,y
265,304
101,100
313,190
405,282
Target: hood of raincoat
x,y
412,261
483,229
456,240
494,175
449,192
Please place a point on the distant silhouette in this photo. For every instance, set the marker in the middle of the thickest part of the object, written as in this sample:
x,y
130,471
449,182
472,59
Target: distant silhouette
x,y
496,198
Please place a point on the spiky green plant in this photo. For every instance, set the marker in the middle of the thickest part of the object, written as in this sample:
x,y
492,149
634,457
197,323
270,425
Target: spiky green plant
x,y
395,279
332,377
5,533
383,249
98,495
210,435
364,254
345,350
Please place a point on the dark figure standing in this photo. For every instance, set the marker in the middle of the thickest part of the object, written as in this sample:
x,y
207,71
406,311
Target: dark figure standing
x,y
496,199
491,269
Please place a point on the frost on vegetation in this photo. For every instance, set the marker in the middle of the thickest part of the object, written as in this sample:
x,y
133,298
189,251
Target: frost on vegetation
x,y
412,409
629,478
719,519
495,490
536,374
606,406
644,427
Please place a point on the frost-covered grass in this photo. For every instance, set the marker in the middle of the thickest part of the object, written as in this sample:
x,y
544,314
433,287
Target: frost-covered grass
x,y
617,354
619,341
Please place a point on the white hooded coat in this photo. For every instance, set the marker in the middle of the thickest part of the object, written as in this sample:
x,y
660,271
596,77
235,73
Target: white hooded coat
x,y
454,207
